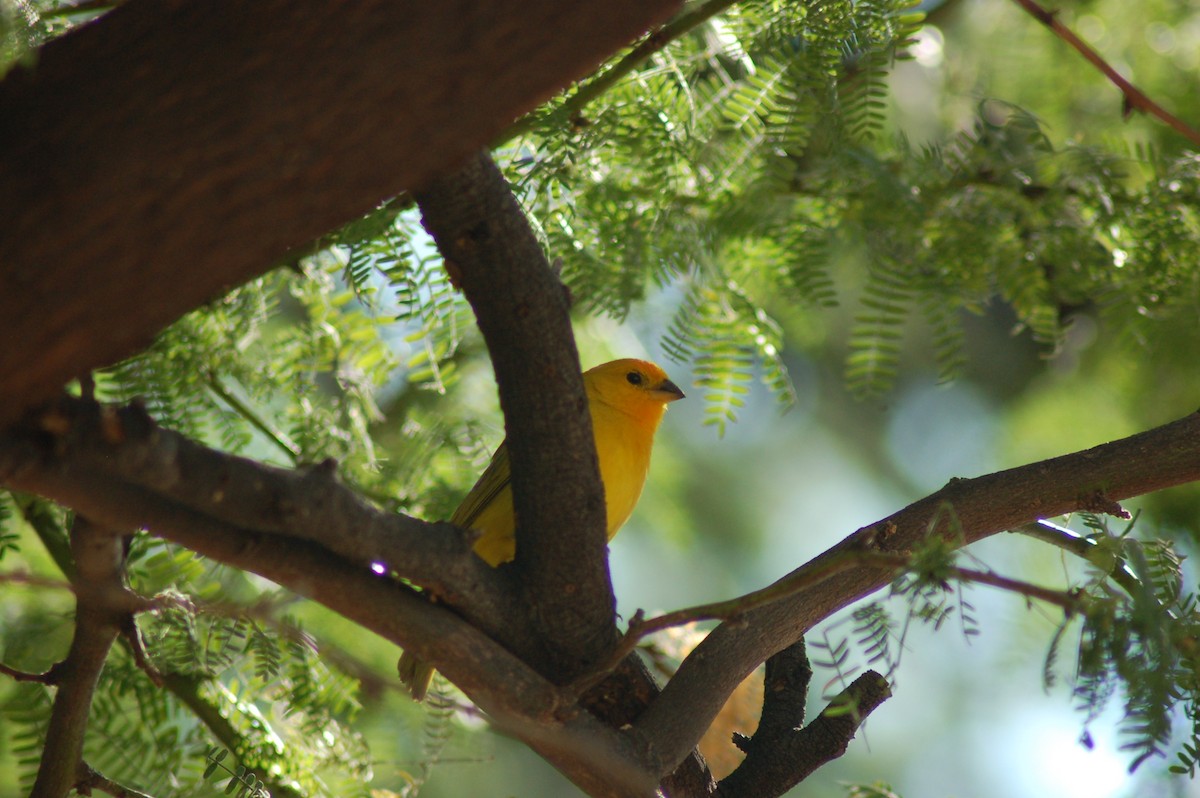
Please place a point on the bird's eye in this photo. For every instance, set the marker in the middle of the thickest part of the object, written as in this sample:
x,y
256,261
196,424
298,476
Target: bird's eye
x,y
634,378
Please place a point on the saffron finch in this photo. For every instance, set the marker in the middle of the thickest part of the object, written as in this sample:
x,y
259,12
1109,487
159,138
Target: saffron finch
x,y
627,399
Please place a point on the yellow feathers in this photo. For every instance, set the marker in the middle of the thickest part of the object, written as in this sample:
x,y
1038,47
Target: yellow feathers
x,y
627,399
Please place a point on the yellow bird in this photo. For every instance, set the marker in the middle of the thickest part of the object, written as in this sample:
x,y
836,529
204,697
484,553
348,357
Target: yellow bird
x,y
627,399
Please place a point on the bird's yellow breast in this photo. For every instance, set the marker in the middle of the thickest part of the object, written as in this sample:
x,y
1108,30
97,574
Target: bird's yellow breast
x,y
623,449
627,399
623,444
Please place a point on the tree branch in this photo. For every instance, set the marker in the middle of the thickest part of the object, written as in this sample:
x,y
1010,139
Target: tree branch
x,y
94,780
125,444
521,307
77,457
142,160
1135,99
185,688
1093,479
61,463
1088,550
102,605
779,755
806,578
47,677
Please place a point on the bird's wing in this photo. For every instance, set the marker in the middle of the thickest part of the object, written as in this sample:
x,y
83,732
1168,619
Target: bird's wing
x,y
494,479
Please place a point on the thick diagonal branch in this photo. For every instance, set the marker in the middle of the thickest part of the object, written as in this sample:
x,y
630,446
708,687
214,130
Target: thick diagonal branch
x,y
597,757
126,445
171,150
964,511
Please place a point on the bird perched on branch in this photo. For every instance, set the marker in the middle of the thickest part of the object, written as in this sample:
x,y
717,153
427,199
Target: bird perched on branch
x,y
627,399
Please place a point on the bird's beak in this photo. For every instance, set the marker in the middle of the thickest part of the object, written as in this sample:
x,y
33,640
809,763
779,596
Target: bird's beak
x,y
668,391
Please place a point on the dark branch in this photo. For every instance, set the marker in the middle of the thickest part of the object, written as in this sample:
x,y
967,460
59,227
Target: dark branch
x,y
94,780
187,689
1135,98
191,692
59,464
521,306
785,692
141,161
780,755
62,458
46,677
126,445
102,606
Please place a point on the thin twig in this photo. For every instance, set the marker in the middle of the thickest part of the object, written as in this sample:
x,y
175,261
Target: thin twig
x,y
1069,600
800,580
1135,99
187,689
1111,565
132,636
100,604
282,441
25,676
94,780
639,627
653,42
278,437
26,579
804,579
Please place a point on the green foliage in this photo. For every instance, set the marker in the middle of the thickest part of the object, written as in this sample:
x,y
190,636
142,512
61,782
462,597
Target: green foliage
x,y
874,633
723,335
687,174
9,538
402,259
20,34
25,25
243,783
288,709
140,733
1139,647
877,790
436,731
27,713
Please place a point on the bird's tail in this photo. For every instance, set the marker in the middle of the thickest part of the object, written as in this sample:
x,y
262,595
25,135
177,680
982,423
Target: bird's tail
x,y
416,674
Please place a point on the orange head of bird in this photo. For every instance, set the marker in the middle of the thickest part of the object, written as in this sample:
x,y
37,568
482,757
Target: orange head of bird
x,y
637,387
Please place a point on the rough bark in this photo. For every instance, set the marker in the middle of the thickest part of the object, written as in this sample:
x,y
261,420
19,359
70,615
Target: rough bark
x,y
561,560
173,149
